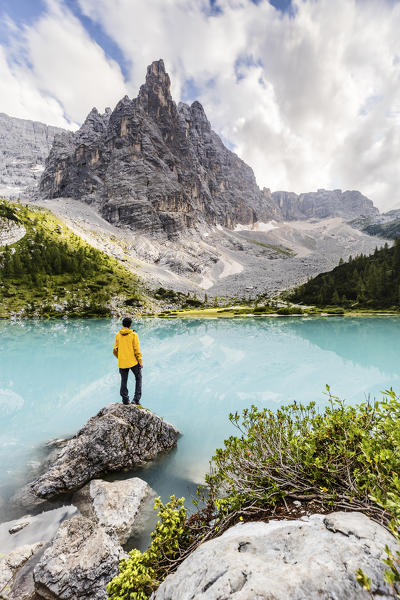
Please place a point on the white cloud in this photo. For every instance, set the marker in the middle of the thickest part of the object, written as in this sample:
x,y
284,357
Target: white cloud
x,y
56,71
21,98
309,100
317,102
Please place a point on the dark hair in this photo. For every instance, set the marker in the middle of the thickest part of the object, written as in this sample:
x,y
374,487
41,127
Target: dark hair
x,y
126,322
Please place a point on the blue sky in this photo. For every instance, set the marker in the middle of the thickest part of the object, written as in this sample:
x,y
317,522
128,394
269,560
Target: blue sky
x,y
305,91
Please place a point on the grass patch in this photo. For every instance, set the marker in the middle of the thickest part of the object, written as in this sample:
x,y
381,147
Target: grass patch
x,y
279,249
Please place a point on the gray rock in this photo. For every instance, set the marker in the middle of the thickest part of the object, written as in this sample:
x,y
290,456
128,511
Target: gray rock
x,y
13,584
24,147
323,204
10,231
155,166
19,525
82,559
115,505
313,558
118,438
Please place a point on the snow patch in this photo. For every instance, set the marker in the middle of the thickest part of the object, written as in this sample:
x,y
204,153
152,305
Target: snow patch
x,y
257,226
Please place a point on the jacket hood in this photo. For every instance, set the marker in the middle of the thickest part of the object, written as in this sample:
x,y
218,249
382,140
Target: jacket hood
x,y
125,331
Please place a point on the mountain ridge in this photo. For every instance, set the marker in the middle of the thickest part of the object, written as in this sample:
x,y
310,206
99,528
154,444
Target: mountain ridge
x,y
160,169
155,166
24,146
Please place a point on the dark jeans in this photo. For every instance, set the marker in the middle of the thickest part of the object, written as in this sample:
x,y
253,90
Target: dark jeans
x,y
137,371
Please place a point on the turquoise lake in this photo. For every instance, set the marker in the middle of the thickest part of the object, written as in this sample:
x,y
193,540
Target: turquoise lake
x,y
54,375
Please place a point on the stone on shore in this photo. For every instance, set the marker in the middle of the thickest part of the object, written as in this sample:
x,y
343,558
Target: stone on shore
x,y
118,438
315,558
82,559
115,505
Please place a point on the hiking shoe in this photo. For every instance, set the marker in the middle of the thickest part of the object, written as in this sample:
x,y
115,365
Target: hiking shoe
x,y
125,402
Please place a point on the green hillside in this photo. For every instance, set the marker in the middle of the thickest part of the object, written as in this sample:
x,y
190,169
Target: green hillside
x,y
362,282
52,272
390,231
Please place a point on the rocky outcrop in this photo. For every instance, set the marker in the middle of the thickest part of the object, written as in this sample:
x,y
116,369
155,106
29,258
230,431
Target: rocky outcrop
x,y
25,146
82,559
308,559
10,231
116,505
16,581
323,204
155,166
118,438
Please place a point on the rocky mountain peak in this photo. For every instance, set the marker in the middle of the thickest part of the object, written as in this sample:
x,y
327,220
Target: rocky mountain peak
x,y
154,167
199,116
155,93
161,169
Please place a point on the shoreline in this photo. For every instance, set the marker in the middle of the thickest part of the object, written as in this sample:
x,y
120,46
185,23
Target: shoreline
x,y
205,314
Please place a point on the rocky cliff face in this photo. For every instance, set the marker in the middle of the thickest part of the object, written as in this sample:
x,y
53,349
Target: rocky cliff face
x,y
155,166
322,204
24,147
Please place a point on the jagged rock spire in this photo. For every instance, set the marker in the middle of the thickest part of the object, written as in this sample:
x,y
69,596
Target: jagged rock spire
x,y
156,91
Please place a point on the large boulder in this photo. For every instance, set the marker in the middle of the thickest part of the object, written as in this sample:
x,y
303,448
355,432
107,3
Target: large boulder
x,y
118,438
115,505
82,559
313,558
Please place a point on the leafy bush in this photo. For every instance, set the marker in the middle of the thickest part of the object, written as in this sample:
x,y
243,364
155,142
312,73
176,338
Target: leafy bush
x,y
142,573
344,458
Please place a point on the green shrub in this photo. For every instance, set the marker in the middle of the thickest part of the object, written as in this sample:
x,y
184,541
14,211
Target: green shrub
x,y
289,310
345,457
142,573
193,303
261,309
334,311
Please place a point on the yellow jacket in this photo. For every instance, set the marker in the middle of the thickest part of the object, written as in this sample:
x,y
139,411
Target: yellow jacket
x,y
127,348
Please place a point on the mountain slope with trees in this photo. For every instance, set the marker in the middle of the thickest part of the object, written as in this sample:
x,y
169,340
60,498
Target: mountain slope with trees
x,y
51,271
365,281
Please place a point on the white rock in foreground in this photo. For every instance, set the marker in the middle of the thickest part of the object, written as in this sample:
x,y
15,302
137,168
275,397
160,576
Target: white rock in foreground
x,y
314,558
82,559
114,505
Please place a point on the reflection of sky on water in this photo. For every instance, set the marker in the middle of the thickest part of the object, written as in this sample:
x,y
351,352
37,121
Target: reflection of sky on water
x,y
54,375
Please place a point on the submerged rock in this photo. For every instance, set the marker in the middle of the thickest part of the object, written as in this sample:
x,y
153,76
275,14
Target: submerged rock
x,y
19,525
313,558
14,583
118,438
115,505
82,559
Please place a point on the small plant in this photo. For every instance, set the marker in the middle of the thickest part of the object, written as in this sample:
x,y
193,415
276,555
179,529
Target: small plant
x,y
142,572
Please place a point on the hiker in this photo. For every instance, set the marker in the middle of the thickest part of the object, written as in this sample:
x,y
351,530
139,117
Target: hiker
x,y
127,350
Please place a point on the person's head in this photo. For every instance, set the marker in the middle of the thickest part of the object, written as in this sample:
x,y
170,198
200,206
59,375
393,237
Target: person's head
x,y
126,322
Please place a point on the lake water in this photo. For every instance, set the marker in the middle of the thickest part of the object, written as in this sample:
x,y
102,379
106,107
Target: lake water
x,y
54,375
